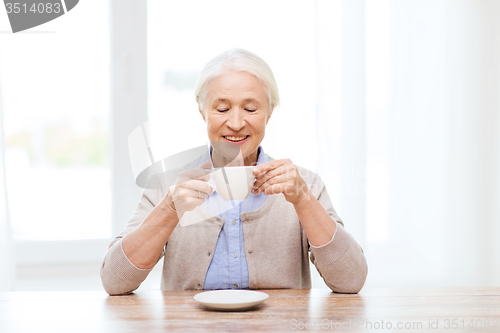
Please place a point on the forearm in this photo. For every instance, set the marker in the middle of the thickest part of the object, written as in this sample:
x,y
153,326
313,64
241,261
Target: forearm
x,y
317,224
341,263
143,245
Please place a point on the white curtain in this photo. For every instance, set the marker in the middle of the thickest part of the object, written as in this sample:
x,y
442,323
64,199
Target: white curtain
x,y
6,252
409,123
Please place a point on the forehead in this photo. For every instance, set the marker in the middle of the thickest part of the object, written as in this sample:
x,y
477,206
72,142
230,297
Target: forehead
x,y
236,86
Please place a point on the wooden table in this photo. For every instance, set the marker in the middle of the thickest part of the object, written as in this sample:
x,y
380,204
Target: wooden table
x,y
380,310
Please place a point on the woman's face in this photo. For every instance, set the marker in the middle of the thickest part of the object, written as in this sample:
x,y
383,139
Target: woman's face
x,y
236,110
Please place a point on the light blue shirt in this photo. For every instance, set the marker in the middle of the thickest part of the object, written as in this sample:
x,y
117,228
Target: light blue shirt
x,y
228,268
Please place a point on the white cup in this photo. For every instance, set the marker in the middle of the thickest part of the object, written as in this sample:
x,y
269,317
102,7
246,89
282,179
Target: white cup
x,y
233,183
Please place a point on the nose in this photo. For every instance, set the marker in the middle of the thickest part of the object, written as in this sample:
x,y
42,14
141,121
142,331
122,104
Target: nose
x,y
236,120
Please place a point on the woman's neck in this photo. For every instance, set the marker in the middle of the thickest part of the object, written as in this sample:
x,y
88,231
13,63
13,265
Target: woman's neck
x,y
219,160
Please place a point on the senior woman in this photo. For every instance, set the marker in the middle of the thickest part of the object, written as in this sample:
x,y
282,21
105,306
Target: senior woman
x,y
262,242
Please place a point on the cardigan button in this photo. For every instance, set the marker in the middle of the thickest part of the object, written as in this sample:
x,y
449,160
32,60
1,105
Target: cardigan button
x,y
250,251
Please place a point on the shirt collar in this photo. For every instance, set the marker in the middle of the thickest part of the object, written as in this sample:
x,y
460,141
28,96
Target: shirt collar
x,y
262,158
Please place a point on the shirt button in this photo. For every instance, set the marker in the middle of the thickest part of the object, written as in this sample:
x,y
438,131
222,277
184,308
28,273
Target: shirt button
x,y
234,255
234,222
250,251
236,286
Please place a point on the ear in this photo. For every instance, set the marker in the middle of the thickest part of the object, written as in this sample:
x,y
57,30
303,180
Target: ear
x,y
199,109
267,118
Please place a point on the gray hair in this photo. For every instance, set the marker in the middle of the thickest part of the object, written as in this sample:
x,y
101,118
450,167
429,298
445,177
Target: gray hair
x,y
239,60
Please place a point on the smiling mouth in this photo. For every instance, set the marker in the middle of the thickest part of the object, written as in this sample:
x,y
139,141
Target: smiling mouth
x,y
235,138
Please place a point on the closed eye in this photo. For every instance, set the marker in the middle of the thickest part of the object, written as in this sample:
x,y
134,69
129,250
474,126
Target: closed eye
x,y
223,110
250,110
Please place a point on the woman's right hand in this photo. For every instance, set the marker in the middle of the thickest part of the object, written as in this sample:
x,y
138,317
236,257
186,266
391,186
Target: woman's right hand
x,y
143,245
190,190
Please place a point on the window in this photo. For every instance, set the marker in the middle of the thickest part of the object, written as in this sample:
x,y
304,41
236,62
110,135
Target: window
x,y
55,89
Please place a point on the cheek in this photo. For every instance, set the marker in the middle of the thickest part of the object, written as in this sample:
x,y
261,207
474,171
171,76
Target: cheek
x,y
261,128
213,125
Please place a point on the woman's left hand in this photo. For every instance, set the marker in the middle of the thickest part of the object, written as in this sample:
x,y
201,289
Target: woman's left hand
x,y
280,176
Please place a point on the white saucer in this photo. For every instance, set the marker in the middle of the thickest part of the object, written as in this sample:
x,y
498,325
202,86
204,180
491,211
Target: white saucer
x,y
231,299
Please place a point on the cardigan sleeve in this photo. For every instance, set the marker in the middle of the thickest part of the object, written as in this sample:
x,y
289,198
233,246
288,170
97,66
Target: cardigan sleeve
x,y
341,262
118,275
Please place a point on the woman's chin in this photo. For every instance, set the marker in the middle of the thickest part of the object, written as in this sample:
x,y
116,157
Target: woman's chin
x,y
227,149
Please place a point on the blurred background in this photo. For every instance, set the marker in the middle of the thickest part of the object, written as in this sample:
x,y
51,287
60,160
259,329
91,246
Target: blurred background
x,y
396,104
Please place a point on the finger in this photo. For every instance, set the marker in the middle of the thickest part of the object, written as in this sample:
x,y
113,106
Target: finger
x,y
206,165
193,174
275,189
269,175
198,185
186,195
271,165
205,177
188,200
197,194
277,180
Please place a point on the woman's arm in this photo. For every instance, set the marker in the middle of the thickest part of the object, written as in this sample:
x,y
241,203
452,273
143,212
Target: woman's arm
x,y
340,261
138,248
145,244
282,176
317,224
118,274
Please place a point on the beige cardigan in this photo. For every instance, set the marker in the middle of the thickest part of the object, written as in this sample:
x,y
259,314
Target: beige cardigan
x,y
276,247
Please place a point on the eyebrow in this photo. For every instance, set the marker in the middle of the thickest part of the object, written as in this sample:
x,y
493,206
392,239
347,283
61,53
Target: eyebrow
x,y
245,100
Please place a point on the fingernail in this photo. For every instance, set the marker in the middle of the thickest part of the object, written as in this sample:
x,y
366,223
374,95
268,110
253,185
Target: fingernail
x,y
255,170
